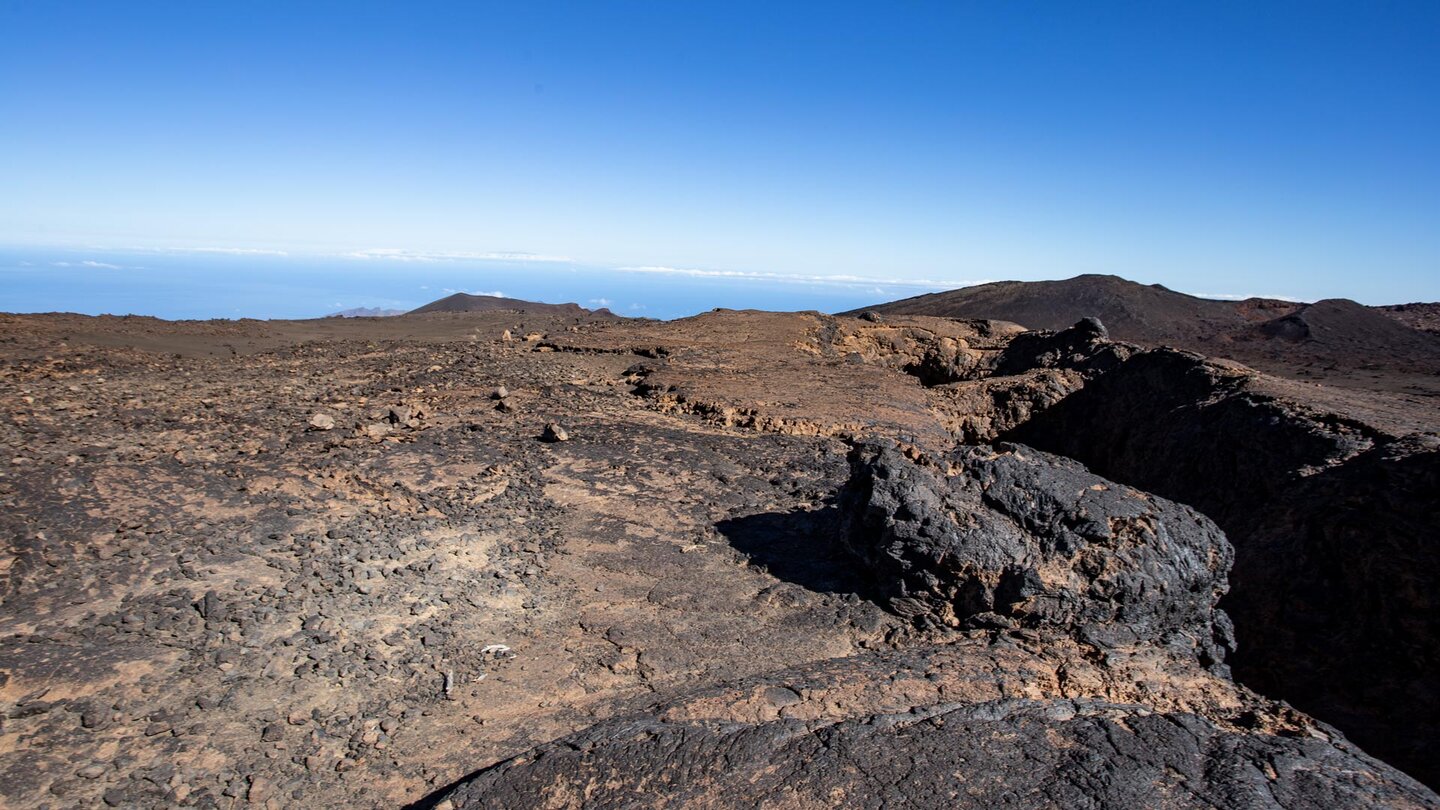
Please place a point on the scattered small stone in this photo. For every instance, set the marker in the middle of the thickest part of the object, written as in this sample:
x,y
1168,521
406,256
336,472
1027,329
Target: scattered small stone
x,y
260,789
781,696
554,432
500,393
322,421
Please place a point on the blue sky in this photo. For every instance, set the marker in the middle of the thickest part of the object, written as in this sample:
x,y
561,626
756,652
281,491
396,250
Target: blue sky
x,y
1221,148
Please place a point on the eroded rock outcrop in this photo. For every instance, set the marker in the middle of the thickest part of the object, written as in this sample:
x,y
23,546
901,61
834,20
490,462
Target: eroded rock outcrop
x,y
977,411
1033,371
1102,690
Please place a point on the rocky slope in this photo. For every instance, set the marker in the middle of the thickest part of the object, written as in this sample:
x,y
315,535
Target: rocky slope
x,y
351,562
1422,316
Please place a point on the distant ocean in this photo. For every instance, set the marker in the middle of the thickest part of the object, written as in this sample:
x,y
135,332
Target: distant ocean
x,y
206,284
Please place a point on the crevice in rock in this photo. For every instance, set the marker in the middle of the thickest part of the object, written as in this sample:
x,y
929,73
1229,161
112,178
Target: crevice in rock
x,y
1336,578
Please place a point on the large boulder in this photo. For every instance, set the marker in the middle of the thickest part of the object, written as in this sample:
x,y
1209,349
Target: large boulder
x,y
1008,536
1086,347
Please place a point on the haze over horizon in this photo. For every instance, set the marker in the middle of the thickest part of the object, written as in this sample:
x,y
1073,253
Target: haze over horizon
x,y
272,161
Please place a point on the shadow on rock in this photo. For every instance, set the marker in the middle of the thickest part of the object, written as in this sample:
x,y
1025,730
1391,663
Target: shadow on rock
x,y
800,547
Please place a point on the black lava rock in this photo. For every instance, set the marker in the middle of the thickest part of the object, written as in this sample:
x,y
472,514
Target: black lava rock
x,y
1013,537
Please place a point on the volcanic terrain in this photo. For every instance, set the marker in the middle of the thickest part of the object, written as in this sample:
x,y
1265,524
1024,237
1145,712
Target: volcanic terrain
x,y
1337,341
555,558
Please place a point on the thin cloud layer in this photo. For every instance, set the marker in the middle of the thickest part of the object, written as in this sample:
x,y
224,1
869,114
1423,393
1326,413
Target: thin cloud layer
x,y
211,250
490,294
402,255
843,280
90,263
1235,297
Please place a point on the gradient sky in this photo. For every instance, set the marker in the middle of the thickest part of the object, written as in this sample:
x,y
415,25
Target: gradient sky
x,y
1219,148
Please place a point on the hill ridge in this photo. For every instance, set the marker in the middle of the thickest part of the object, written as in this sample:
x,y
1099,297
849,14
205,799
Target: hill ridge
x,y
466,302
1314,340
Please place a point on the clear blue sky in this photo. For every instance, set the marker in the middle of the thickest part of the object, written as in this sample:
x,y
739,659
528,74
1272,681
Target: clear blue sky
x,y
1221,148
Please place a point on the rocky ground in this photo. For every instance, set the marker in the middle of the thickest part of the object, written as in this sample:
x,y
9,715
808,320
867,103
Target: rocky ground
x,y
494,559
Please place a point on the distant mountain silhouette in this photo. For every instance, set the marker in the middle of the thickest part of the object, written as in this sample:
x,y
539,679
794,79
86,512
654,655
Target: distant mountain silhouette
x,y
1278,335
464,302
366,312
1131,311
